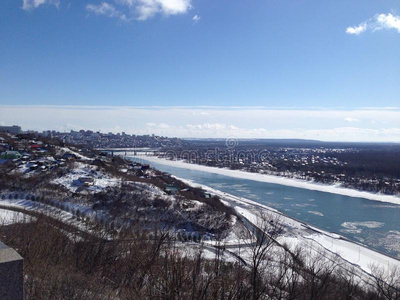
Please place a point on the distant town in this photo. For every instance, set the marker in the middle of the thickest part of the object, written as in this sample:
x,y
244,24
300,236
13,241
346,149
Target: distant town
x,y
371,167
96,139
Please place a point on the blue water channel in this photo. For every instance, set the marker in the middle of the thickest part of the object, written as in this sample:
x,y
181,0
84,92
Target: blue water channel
x,y
372,223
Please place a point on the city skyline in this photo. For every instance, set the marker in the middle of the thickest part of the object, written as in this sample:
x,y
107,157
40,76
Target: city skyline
x,y
366,124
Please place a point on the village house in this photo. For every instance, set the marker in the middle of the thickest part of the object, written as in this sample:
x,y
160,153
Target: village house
x,y
86,180
10,155
171,189
68,156
206,195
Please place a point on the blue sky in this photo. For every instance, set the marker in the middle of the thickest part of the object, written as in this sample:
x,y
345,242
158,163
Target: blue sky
x,y
262,52
337,55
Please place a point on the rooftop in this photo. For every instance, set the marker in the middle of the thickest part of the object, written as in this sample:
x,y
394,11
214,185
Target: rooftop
x,y
8,254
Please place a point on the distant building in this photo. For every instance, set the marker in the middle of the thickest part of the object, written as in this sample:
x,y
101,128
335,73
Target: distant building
x,y
171,189
86,180
145,167
11,274
11,129
10,155
68,156
206,195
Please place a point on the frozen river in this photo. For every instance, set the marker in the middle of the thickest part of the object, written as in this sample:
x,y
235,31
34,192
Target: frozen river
x,y
373,223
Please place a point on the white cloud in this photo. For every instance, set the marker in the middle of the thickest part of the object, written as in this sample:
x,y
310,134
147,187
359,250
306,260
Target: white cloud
x,y
357,29
140,9
378,124
349,119
207,126
174,7
387,21
105,9
196,18
32,4
378,22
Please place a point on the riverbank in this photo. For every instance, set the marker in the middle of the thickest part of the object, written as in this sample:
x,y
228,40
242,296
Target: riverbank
x,y
333,189
352,256
356,258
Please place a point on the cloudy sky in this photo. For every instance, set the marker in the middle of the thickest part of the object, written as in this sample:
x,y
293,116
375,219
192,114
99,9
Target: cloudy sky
x,y
321,69
365,124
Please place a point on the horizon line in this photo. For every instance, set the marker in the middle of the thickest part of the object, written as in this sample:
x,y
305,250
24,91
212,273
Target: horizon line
x,y
233,107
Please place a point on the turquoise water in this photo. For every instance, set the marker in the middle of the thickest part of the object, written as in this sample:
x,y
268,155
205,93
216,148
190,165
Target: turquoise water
x,y
373,223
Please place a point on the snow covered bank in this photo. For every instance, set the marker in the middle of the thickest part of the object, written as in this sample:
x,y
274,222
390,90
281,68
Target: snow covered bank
x,y
34,206
8,217
314,240
333,189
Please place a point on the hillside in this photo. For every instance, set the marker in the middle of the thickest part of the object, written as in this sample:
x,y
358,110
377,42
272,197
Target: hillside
x,y
92,226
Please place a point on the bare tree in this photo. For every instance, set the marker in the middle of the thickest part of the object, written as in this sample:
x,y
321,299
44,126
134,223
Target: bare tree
x,y
260,238
387,282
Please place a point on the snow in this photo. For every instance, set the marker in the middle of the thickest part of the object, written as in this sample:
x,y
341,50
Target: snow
x,y
313,239
295,232
192,250
354,253
101,180
323,242
77,154
24,167
8,217
351,252
333,189
354,227
34,206
317,213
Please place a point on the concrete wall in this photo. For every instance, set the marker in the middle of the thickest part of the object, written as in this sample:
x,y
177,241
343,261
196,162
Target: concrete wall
x,y
11,274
